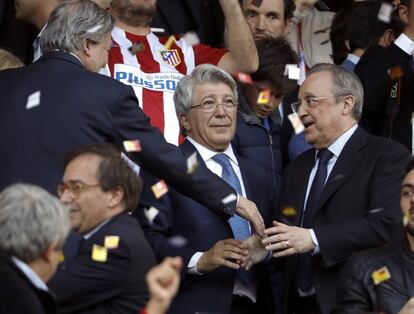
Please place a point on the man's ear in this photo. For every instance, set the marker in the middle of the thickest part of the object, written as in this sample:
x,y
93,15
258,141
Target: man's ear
x,y
387,38
403,13
347,45
116,197
86,47
184,122
48,254
288,26
349,104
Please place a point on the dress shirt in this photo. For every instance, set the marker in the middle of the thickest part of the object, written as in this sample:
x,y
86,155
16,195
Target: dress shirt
x,y
37,52
405,43
353,58
86,236
335,148
207,155
30,274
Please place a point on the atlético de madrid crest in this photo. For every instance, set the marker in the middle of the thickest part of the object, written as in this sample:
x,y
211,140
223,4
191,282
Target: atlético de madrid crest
x,y
171,57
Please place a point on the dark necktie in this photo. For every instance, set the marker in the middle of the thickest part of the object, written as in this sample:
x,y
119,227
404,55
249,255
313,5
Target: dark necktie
x,y
239,225
304,269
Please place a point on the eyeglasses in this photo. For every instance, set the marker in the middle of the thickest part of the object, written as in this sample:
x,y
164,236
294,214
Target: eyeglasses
x,y
310,102
75,188
210,105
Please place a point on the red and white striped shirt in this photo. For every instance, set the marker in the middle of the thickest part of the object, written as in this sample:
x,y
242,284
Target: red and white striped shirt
x,y
154,73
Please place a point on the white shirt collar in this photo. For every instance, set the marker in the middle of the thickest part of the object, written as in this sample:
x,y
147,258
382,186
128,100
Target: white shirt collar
x,y
405,43
337,146
86,236
207,154
30,274
353,58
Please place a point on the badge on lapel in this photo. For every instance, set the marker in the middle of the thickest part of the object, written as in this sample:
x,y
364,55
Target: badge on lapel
x,y
380,275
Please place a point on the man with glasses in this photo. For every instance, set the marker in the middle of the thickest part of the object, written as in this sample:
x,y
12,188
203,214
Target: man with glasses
x,y
339,197
215,251
92,109
107,257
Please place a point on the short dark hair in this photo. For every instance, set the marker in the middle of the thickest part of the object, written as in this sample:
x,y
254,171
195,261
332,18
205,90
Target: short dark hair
x,y
364,29
337,34
113,171
274,54
288,8
410,166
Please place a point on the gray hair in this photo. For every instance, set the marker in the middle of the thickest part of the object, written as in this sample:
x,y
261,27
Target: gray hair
x,y
74,21
31,219
202,74
345,83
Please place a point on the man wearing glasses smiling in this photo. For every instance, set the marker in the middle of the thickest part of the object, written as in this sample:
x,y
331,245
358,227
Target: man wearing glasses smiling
x,y
339,197
107,257
216,250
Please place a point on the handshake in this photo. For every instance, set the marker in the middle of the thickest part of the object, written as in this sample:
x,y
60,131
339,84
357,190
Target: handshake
x,y
233,254
280,240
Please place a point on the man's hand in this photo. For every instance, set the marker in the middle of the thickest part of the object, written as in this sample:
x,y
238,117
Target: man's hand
x,y
248,210
257,252
229,253
408,307
163,281
286,240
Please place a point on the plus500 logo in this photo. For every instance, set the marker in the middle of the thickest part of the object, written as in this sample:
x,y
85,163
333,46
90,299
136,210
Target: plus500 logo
x,y
164,85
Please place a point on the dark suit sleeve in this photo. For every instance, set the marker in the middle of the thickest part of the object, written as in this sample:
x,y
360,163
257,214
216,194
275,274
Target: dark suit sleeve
x,y
353,295
380,223
159,232
164,160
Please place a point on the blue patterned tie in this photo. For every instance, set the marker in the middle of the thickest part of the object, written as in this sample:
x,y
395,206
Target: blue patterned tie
x,y
239,225
304,269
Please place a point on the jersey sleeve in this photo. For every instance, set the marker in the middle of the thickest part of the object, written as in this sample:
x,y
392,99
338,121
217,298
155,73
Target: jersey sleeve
x,y
206,54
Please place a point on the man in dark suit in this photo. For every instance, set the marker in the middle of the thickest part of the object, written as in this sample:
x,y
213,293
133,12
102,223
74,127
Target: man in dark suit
x,y
34,226
381,280
341,196
387,76
212,278
107,256
55,105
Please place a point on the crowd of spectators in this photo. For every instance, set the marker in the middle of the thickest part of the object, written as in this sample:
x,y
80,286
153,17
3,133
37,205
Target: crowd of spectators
x,y
149,172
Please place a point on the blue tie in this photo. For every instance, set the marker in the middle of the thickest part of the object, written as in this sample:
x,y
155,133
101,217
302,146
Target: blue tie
x,y
239,225
304,268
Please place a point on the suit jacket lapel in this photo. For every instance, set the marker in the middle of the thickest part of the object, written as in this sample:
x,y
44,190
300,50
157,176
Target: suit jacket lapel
x,y
347,161
303,168
244,178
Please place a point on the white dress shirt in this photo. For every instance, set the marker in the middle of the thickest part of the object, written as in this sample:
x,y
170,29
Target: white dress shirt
x,y
405,43
207,155
30,274
335,148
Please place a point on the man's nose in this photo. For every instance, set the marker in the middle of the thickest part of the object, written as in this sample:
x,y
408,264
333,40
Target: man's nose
x,y
260,22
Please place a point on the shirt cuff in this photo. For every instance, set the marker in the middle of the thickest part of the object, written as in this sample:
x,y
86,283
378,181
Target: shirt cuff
x,y
192,264
316,250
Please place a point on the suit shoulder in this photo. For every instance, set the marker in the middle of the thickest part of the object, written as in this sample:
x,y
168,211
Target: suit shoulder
x,y
372,259
124,225
386,145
